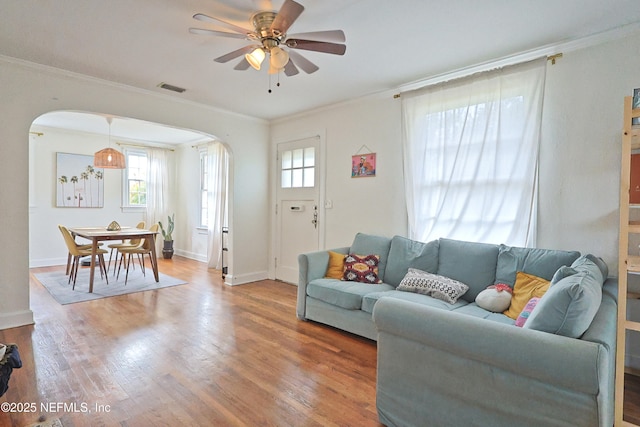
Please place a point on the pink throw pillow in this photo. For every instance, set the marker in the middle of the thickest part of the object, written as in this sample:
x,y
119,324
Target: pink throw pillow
x,y
524,315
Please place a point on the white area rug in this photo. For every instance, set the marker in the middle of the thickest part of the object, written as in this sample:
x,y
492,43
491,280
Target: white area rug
x,y
60,290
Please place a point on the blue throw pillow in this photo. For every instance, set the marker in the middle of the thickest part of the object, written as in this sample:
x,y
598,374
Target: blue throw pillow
x,y
568,307
538,262
406,253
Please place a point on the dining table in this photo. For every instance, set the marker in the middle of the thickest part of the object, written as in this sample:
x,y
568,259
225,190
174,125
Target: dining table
x,y
99,234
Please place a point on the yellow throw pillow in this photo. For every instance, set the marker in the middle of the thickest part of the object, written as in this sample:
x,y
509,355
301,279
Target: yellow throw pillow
x,y
335,270
526,287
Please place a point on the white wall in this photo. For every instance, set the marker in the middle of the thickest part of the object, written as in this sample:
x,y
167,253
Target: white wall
x,y
27,91
46,246
579,158
372,205
193,240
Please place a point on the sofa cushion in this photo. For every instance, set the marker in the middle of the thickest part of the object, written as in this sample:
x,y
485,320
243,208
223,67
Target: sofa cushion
x,y
343,294
474,310
335,269
406,253
375,245
440,287
370,299
539,262
568,307
471,263
527,286
361,268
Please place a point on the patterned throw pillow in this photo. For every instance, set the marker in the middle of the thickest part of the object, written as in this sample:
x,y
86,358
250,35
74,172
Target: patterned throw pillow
x,y
524,315
361,268
440,287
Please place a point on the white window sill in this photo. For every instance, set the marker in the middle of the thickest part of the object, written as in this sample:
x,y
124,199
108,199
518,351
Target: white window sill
x,y
133,209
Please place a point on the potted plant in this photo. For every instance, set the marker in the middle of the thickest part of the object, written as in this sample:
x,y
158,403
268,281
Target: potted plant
x,y
167,250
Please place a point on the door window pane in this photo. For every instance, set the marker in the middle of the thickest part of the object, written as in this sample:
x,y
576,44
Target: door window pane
x,y
298,168
297,178
309,157
297,156
286,179
286,160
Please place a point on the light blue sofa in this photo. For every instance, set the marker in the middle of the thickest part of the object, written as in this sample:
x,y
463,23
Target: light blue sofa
x,y
442,364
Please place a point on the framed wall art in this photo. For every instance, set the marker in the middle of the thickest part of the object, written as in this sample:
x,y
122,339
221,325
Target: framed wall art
x,y
363,165
78,183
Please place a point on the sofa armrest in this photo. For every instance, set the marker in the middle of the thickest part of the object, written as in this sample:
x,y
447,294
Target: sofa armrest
x,y
566,362
311,266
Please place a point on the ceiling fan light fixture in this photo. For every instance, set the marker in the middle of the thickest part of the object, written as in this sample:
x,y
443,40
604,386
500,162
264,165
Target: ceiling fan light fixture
x,y
279,57
255,58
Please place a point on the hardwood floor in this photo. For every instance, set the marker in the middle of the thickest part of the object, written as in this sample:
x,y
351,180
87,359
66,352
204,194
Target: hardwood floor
x,y
200,354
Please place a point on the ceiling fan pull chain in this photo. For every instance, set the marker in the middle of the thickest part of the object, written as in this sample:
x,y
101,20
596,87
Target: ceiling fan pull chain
x,y
269,83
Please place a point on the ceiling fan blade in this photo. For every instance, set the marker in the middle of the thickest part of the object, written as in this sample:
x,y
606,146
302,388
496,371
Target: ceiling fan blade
x,y
334,36
201,31
325,47
242,65
232,27
306,65
288,13
290,68
236,53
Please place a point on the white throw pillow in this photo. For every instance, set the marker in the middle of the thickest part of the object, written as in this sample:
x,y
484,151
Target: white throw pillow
x,y
440,287
496,298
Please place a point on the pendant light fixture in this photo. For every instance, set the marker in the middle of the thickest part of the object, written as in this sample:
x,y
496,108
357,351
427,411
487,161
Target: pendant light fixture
x,y
109,158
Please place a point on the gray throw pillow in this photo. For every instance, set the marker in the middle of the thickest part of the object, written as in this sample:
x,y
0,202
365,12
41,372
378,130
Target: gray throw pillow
x,y
568,307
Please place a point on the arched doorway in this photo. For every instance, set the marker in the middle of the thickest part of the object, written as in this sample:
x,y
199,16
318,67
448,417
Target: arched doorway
x,y
82,134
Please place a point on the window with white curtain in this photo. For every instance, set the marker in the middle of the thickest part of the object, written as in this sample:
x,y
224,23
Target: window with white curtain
x,y
470,151
136,177
204,188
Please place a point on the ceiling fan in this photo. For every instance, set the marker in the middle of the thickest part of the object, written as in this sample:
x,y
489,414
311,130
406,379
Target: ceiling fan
x,y
270,34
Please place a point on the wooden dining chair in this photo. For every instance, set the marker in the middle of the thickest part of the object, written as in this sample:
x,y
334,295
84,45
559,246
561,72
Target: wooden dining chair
x,y
70,257
141,250
129,243
78,251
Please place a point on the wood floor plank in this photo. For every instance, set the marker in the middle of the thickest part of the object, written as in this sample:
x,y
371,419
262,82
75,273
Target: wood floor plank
x,y
194,355
199,354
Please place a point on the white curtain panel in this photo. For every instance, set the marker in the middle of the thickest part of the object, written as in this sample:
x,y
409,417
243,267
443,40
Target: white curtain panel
x,y
470,151
218,167
157,190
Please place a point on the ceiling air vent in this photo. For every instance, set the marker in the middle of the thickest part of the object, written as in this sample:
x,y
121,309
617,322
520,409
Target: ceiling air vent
x,y
171,87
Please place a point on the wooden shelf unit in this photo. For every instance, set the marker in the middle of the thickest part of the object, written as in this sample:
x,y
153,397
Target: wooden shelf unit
x,y
627,264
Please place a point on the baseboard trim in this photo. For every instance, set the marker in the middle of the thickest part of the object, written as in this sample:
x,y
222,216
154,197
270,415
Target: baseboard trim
x,y
16,319
191,255
243,279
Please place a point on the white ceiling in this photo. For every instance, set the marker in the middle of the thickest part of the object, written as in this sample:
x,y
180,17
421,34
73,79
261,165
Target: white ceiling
x,y
389,43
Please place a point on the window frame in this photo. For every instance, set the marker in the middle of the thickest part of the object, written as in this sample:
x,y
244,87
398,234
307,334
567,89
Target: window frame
x,y
203,155
126,205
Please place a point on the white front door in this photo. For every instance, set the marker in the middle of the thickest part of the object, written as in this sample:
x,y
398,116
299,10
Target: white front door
x,y
297,205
